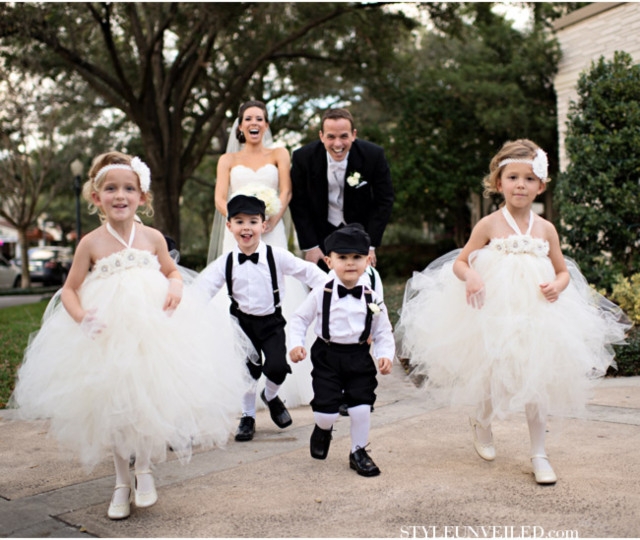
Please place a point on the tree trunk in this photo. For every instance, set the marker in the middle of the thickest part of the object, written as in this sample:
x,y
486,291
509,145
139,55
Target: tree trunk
x,y
24,257
166,198
166,210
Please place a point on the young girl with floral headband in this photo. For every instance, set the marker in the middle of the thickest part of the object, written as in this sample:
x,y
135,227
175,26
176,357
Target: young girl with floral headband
x,y
507,323
124,365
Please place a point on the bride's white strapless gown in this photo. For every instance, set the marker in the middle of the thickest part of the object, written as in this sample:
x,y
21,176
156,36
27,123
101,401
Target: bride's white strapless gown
x,y
296,389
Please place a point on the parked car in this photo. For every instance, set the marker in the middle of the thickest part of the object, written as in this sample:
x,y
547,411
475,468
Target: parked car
x,y
49,264
10,275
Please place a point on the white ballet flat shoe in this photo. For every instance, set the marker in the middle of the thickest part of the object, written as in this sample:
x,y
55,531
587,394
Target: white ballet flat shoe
x,y
144,499
485,450
122,510
543,476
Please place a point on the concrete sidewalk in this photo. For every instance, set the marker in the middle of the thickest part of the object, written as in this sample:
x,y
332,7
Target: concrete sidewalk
x,y
432,481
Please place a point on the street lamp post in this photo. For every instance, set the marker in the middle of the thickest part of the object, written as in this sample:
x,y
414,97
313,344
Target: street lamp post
x,y
76,170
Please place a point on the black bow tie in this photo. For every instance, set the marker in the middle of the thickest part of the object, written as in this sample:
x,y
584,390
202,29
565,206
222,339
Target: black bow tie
x,y
242,258
356,292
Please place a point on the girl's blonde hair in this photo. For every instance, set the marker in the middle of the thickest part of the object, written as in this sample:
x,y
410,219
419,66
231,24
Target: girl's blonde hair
x,y
520,149
91,186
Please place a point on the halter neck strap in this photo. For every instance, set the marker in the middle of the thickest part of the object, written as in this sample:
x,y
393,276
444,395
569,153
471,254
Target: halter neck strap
x,y
512,222
113,233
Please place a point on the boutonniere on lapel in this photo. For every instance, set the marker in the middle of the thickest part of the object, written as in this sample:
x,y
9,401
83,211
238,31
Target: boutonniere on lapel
x,y
355,180
374,308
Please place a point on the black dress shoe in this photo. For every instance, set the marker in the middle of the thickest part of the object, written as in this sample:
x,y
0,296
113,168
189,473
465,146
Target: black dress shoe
x,y
279,413
319,443
343,409
362,463
246,429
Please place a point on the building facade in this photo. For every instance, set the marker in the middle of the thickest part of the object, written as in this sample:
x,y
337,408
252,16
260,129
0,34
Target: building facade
x,y
599,29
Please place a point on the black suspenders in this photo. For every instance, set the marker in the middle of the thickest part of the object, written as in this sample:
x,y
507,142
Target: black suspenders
x,y
326,306
272,270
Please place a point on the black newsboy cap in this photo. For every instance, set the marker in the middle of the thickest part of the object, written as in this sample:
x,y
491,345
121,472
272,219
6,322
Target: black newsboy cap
x,y
351,238
245,204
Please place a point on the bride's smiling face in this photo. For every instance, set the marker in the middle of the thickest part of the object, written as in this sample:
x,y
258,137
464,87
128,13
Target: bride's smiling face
x,y
253,124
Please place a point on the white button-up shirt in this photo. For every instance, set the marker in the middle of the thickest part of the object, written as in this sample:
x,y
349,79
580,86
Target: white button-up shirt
x,y
251,283
346,320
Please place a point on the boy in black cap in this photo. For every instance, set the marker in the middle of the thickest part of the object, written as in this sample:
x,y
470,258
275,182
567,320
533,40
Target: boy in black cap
x,y
347,317
255,290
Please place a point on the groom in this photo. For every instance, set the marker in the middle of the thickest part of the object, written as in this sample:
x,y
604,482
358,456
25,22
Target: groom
x,y
339,180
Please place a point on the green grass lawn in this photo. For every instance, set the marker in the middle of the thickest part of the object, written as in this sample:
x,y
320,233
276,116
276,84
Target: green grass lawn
x,y
16,323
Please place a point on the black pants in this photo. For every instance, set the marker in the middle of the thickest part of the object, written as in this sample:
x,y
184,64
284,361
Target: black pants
x,y
342,374
267,336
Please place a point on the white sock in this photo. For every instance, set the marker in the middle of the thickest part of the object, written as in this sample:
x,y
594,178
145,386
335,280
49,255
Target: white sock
x,y
360,424
537,421
483,417
325,420
270,389
249,401
121,496
144,482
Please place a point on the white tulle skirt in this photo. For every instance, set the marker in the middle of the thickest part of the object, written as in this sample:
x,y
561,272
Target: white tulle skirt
x,y
149,380
518,348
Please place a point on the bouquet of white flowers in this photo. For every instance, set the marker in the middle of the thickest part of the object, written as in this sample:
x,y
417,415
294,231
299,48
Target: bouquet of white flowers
x,y
267,195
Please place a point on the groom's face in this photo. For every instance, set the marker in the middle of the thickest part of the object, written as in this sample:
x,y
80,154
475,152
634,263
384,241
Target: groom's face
x,y
337,137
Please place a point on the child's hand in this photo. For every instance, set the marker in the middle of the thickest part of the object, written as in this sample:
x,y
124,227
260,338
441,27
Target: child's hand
x,y
91,325
384,365
174,295
551,291
475,289
297,354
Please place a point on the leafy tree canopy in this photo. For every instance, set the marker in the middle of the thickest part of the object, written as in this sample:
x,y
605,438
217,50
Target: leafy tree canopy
x,y
457,99
178,71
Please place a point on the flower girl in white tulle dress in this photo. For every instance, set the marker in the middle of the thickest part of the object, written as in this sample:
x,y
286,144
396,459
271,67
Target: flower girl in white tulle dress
x,y
507,323
129,363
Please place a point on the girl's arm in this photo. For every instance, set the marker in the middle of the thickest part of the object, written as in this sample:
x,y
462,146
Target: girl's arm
x,y
77,274
551,290
474,284
222,183
169,269
283,162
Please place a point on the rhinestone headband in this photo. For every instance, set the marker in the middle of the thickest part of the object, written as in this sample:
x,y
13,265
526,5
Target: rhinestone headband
x,y
137,166
539,164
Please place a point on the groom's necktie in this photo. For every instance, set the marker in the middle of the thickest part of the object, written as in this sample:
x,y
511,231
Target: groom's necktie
x,y
242,258
336,173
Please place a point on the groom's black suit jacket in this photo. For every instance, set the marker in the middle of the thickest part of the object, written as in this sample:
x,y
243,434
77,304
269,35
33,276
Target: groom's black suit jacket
x,y
369,203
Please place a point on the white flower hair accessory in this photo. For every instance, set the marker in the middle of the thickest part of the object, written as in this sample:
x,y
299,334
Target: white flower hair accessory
x,y
137,166
539,164
267,195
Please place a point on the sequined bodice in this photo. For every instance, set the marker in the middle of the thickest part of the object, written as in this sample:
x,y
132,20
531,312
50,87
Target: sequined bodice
x,y
124,260
519,242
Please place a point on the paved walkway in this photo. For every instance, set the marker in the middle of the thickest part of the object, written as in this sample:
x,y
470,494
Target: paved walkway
x,y
432,482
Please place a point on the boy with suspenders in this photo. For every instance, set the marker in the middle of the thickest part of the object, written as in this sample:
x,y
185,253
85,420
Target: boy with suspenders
x,y
251,273
347,316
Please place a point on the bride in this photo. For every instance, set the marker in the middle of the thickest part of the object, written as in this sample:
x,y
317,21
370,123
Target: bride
x,y
251,166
